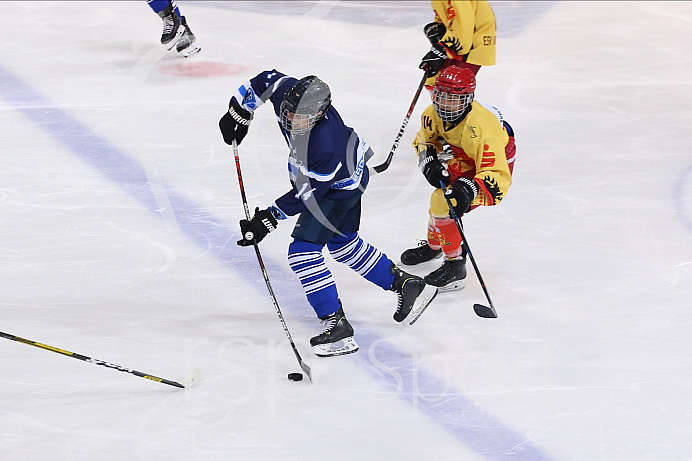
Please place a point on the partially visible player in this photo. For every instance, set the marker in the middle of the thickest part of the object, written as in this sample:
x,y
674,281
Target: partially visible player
x,y
176,33
328,174
462,34
479,173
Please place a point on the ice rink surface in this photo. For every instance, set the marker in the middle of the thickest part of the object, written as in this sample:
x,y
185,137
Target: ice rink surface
x,y
119,204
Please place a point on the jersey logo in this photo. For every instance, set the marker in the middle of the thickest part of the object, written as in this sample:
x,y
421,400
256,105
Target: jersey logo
x,y
250,99
472,129
453,44
451,14
493,190
488,157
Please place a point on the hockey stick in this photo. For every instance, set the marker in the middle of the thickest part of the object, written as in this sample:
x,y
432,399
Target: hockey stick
x,y
480,309
84,358
380,168
304,366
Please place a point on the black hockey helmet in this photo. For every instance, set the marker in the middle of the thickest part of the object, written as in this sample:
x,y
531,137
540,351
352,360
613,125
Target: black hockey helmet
x,y
304,105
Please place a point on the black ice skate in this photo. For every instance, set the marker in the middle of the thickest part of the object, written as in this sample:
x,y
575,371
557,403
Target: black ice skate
x,y
336,337
422,253
414,295
186,45
171,27
450,276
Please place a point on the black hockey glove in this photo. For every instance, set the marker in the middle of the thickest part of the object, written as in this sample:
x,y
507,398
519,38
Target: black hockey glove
x,y
433,170
434,60
257,228
464,190
235,123
434,31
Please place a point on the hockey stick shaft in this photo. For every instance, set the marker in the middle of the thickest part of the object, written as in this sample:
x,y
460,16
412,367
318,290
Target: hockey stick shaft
x,y
304,366
481,311
84,358
383,166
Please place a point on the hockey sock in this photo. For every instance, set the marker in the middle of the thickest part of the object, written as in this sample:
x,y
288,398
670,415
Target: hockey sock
x,y
449,238
160,5
307,262
433,239
365,259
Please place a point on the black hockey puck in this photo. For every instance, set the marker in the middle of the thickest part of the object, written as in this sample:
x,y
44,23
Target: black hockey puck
x,y
295,376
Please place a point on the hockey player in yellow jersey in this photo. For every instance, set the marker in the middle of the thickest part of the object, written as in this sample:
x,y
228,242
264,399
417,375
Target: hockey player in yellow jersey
x,y
478,174
462,34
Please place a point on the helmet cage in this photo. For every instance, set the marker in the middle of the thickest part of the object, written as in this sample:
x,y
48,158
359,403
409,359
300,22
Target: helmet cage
x,y
296,123
450,106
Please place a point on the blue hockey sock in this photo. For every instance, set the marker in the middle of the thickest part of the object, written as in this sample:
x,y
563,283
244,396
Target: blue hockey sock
x,y
307,262
365,259
159,5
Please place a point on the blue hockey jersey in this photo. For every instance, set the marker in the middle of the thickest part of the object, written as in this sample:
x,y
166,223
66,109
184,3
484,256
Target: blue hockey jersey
x,y
327,162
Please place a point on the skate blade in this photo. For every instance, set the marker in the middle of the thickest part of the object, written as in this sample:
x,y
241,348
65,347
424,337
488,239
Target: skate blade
x,y
343,347
190,50
454,286
422,303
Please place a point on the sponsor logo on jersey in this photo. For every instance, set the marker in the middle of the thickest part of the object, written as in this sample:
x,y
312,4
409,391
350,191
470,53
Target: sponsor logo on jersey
x,y
451,14
488,157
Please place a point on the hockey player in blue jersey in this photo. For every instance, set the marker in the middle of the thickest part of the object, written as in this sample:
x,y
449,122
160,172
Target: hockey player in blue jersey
x,y
327,170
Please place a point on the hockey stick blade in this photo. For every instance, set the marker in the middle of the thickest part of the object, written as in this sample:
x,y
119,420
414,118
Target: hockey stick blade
x,y
303,366
380,168
306,369
485,311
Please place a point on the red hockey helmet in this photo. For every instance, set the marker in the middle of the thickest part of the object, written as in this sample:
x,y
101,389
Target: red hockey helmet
x,y
453,92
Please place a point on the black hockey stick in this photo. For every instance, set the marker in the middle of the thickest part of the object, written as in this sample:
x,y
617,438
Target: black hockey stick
x,y
380,168
84,358
304,366
480,309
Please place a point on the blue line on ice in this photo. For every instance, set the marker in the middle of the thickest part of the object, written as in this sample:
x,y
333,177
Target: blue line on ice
x,y
452,411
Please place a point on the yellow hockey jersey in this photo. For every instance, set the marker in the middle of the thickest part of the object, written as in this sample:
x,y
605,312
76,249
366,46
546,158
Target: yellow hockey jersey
x,y
471,33
478,143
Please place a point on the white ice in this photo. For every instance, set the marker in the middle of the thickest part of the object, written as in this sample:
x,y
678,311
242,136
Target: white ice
x,y
119,205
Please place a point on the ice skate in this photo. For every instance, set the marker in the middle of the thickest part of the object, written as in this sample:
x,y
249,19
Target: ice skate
x,y
414,295
336,337
171,27
448,277
422,253
446,155
186,45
